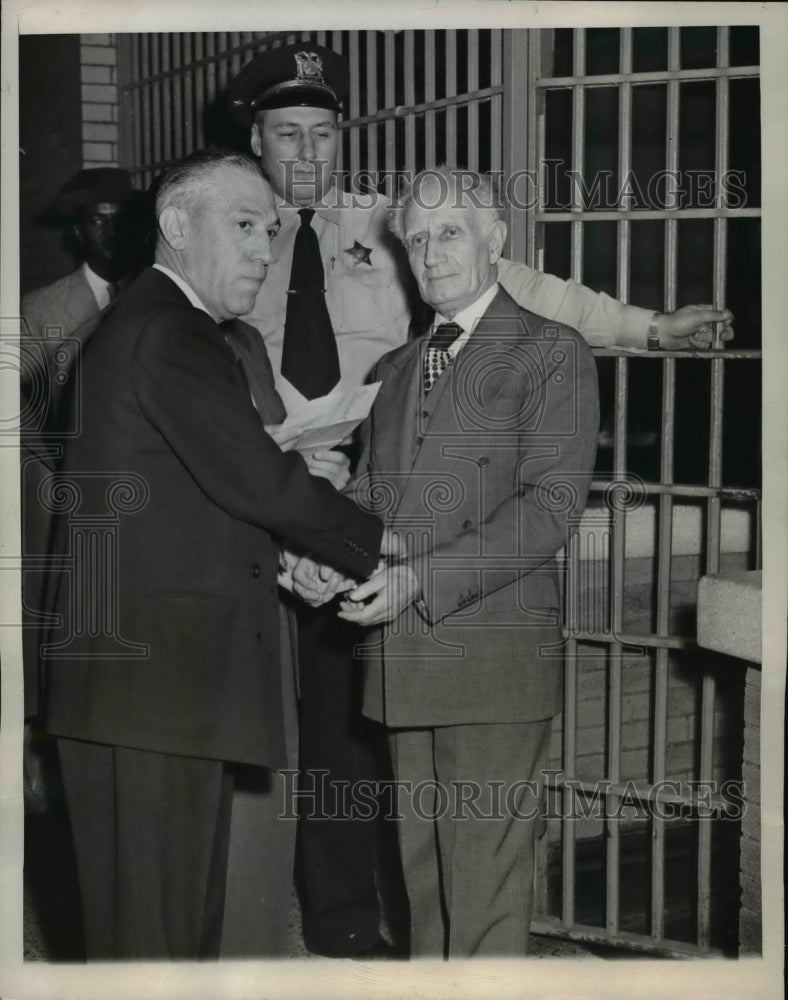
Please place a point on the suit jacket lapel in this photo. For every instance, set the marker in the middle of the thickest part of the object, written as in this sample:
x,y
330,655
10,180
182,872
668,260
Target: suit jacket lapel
x,y
80,303
503,318
255,369
411,397
396,412
469,376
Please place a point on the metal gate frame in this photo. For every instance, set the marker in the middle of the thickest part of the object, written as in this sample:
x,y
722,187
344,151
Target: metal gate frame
x,y
612,640
168,80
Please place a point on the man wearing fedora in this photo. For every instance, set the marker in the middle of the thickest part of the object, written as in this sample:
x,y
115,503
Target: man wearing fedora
x,y
339,296
95,210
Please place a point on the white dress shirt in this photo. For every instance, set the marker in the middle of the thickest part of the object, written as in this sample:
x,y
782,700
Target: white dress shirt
x,y
467,319
98,285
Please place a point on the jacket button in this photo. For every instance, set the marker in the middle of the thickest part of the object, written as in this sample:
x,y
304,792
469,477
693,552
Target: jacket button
x,y
425,414
419,441
484,460
255,570
467,523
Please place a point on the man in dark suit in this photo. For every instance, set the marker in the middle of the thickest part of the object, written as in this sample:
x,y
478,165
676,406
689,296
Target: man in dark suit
x,y
165,684
97,210
479,451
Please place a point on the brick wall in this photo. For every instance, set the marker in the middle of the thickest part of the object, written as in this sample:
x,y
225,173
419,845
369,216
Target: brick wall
x,y
68,120
50,149
100,130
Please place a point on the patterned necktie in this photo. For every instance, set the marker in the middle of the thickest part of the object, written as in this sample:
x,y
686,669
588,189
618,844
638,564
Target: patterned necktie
x,y
436,357
309,354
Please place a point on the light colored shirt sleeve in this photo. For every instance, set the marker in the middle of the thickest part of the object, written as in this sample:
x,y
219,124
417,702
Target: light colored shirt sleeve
x,y
601,320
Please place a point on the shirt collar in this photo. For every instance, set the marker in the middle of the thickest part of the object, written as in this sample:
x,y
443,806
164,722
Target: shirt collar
x,y
98,285
328,208
468,317
187,289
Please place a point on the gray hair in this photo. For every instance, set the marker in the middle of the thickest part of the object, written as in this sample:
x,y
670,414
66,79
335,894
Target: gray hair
x,y
467,188
183,185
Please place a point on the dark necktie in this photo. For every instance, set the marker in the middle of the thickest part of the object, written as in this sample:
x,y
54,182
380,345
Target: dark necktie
x,y
309,354
436,357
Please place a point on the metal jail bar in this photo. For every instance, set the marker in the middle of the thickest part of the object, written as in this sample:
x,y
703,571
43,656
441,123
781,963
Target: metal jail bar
x,y
167,82
614,639
520,78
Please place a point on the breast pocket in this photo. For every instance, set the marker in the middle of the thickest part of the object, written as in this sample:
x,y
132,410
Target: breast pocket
x,y
368,297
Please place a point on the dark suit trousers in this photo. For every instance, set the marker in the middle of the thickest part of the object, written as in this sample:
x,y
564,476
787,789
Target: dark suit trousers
x,y
340,909
150,834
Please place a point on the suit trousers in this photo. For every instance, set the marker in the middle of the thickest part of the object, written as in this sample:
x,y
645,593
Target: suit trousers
x,y
336,854
150,835
263,839
233,817
468,801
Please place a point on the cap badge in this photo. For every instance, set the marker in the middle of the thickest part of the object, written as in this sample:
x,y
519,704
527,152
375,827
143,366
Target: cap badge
x,y
309,67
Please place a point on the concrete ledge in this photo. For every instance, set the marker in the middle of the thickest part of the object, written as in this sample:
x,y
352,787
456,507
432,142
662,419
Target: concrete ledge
x,y
729,614
687,534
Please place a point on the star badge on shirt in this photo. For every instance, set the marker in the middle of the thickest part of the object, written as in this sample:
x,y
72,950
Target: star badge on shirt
x,y
359,253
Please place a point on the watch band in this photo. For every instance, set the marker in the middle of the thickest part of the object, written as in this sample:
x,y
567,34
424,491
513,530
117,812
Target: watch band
x,y
652,340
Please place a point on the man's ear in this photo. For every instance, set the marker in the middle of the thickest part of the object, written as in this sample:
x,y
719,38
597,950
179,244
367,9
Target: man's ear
x,y
497,240
172,225
256,140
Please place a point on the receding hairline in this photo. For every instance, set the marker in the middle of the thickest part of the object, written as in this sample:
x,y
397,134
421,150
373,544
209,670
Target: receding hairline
x,y
198,186
462,197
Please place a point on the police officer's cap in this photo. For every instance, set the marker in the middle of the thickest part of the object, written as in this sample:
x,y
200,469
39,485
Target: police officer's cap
x,y
302,75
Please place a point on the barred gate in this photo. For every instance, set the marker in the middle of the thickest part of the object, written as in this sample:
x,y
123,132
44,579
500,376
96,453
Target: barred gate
x,y
636,652
397,117
570,107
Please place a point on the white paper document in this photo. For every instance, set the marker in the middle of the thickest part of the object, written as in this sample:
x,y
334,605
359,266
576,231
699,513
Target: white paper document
x,y
326,421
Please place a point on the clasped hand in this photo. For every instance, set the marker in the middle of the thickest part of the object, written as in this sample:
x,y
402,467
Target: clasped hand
x,y
381,598
316,583
392,587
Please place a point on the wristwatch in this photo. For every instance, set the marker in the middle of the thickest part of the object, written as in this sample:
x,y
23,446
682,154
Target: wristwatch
x,y
652,340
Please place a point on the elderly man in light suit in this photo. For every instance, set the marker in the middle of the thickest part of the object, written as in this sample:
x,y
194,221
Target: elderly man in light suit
x,y
479,452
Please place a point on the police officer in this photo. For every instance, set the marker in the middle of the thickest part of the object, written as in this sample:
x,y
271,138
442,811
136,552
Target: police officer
x,y
335,300
335,303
